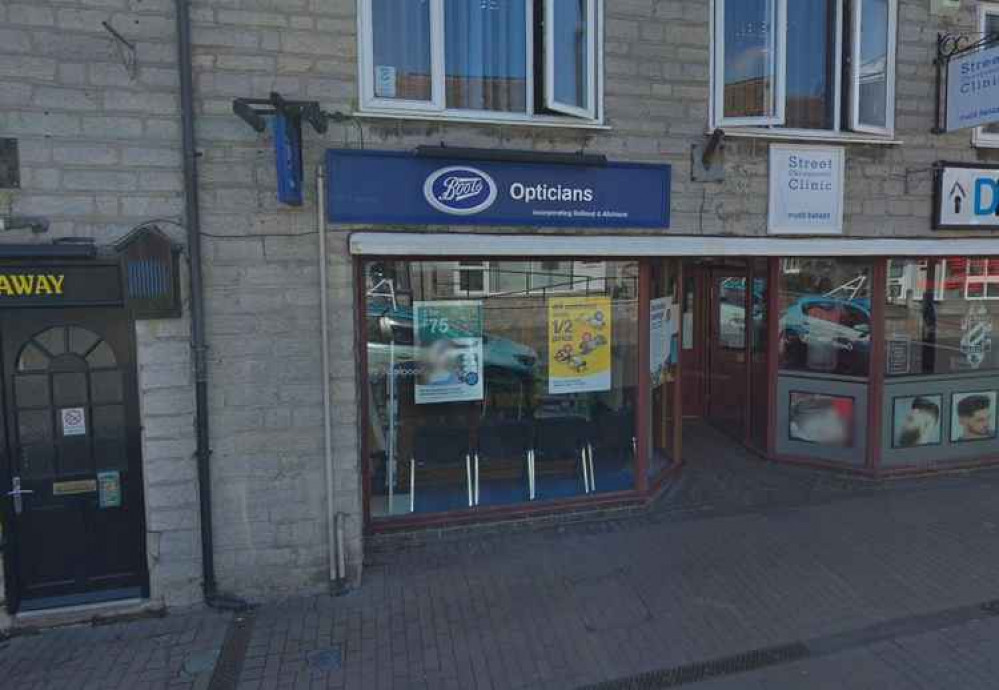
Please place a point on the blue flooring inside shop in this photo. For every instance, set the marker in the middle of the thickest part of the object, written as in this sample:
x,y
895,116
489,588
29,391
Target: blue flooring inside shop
x,y
497,492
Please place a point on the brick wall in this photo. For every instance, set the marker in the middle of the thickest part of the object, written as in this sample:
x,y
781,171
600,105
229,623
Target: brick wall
x,y
100,154
99,149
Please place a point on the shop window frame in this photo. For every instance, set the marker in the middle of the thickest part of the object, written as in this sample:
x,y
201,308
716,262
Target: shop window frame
x,y
641,490
542,105
846,100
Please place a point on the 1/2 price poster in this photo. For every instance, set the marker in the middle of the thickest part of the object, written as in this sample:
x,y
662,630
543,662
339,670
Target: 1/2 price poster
x,y
579,344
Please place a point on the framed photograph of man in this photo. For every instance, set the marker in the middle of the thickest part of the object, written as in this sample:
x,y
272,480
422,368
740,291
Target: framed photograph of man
x,y
973,416
826,420
916,421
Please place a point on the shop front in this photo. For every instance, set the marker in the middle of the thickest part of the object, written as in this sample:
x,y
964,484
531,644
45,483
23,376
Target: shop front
x,y
538,371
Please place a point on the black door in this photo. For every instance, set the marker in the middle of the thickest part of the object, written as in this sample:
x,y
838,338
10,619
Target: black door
x,y
76,530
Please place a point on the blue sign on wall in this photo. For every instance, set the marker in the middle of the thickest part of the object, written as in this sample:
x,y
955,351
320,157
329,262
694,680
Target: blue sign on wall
x,y
288,157
388,188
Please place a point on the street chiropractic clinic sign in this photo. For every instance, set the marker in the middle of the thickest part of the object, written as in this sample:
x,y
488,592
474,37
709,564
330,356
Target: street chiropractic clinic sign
x,y
400,188
806,190
966,196
973,89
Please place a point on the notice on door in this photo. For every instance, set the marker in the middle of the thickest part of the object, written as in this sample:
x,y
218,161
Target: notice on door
x,y
109,489
74,421
579,344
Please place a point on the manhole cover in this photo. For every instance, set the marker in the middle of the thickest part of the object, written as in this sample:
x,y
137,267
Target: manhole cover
x,y
325,659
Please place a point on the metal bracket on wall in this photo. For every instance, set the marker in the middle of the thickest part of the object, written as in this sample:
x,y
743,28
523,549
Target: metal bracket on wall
x,y
253,112
707,159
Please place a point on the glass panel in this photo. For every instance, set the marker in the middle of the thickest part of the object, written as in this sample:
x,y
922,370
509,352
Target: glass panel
x,y
873,68
811,74
459,376
74,455
31,391
572,53
941,316
510,276
664,345
34,426
32,359
81,340
53,340
825,316
37,461
106,386
749,61
731,312
485,55
551,276
401,49
101,357
110,454
69,389
109,421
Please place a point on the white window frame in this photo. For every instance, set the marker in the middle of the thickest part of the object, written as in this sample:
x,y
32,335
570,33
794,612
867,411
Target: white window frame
x,y
855,27
589,111
436,108
979,137
773,127
718,68
984,280
463,267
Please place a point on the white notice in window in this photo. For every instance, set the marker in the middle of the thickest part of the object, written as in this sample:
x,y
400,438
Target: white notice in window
x,y
74,421
384,81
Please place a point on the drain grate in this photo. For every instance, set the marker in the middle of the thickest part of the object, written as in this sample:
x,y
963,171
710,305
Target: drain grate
x,y
230,661
703,670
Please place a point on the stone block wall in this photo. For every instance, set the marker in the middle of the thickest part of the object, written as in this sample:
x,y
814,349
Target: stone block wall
x,y
100,154
99,135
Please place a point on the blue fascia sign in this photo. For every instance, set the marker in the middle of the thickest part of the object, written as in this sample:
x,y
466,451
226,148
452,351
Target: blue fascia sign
x,y
399,188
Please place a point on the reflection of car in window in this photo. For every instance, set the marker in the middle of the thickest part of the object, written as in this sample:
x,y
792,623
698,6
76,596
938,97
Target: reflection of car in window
x,y
394,325
827,334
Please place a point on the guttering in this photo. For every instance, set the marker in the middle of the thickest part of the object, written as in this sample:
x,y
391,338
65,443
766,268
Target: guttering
x,y
192,217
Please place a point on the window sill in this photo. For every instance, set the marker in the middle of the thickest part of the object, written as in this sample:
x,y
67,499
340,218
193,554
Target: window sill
x,y
806,135
478,119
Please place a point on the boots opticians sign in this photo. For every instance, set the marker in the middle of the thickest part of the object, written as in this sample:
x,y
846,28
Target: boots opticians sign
x,y
397,188
60,285
966,197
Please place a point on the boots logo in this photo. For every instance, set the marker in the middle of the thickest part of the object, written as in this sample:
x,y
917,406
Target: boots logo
x,y
460,190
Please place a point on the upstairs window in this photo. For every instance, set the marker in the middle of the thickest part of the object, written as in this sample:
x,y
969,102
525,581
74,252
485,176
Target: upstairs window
x,y
481,59
811,66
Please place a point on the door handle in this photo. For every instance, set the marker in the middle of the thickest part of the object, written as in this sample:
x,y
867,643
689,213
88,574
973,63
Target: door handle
x,y
16,493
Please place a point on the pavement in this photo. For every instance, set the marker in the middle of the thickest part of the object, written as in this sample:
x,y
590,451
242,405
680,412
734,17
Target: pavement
x,y
745,575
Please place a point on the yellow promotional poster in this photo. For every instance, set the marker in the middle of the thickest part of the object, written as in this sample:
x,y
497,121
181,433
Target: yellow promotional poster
x,y
579,344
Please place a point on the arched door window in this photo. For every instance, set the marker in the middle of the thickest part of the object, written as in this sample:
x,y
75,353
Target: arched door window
x,y
69,405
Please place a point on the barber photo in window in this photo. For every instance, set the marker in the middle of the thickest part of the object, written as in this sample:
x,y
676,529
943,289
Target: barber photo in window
x,y
826,420
916,421
973,416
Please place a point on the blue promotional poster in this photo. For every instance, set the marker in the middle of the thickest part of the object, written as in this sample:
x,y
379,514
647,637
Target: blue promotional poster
x,y
390,188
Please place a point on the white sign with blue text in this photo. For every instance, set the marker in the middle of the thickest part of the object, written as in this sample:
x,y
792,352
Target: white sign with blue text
x,y
967,197
806,190
973,89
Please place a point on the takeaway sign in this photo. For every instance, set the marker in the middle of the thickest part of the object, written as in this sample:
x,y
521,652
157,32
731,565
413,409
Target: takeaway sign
x,y
966,197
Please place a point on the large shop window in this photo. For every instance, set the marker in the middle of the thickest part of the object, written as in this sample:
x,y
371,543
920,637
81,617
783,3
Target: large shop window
x,y
988,24
495,59
941,365
807,65
493,383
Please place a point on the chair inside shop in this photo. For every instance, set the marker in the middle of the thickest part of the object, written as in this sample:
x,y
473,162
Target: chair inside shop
x,y
441,473
503,462
614,448
562,457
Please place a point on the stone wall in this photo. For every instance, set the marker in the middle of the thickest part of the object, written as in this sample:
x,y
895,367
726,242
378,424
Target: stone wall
x,y
100,154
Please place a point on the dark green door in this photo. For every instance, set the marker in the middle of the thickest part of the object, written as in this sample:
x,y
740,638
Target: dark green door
x,y
74,502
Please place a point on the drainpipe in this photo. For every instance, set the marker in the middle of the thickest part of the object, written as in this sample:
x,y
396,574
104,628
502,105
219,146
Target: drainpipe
x,y
198,343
